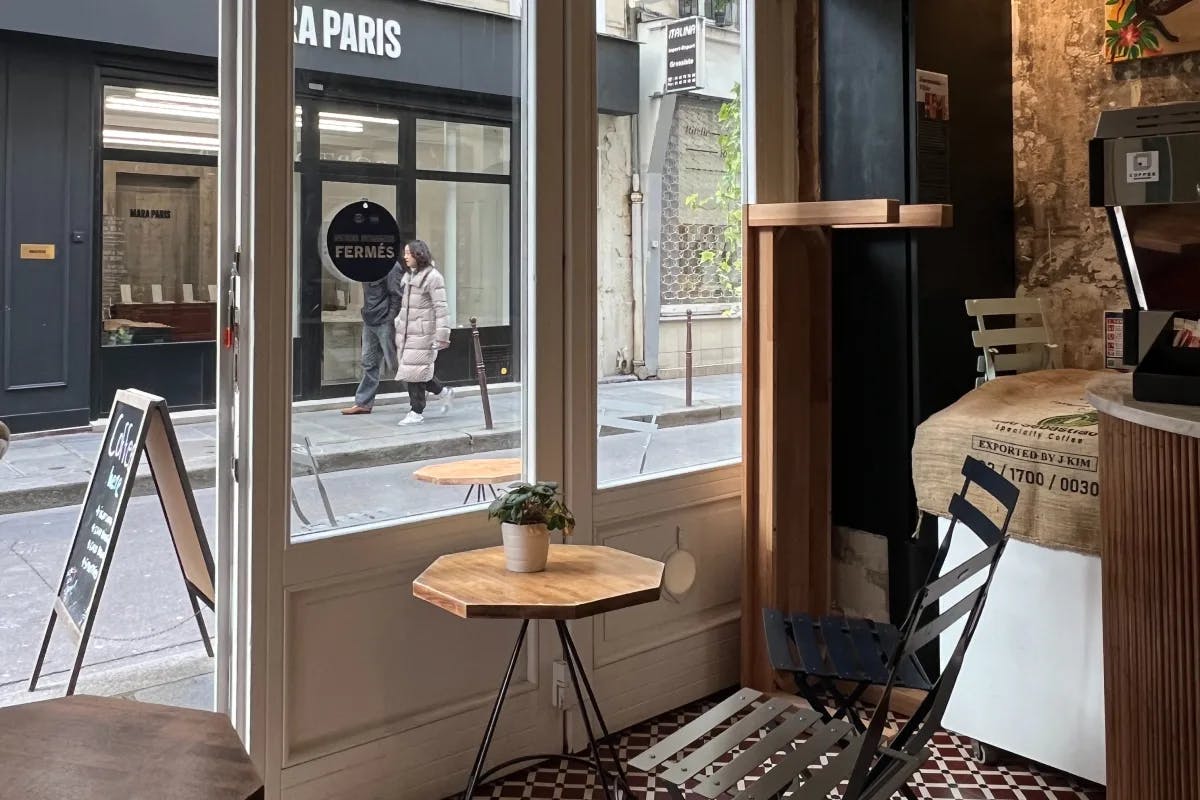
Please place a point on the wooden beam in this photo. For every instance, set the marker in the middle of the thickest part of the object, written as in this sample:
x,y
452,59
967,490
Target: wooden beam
x,y
786,429
912,216
822,213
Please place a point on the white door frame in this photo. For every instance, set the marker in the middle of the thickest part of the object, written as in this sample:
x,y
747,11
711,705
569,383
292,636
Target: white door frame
x,y
256,561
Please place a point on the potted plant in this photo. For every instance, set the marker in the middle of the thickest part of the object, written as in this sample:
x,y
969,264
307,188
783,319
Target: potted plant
x,y
527,513
720,12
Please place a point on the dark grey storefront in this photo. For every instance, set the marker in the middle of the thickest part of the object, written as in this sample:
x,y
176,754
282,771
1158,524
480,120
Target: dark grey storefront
x,y
432,65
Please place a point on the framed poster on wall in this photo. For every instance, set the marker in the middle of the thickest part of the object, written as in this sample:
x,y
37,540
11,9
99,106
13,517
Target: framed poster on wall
x,y
1136,29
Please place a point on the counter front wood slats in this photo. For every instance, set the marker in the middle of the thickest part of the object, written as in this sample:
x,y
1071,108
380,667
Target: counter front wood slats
x,y
786,386
1150,563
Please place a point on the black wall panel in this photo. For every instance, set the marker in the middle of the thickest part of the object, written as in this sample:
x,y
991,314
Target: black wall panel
x,y
902,345
46,133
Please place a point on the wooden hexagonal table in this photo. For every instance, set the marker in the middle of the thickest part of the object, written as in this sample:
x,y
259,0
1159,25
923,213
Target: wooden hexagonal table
x,y
109,748
579,581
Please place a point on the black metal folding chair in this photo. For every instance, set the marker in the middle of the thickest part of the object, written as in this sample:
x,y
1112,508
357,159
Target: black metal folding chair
x,y
833,751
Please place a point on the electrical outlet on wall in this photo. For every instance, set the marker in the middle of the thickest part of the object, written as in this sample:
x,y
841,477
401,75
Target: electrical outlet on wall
x,y
564,691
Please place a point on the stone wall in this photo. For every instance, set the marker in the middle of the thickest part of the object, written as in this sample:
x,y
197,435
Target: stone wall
x,y
1060,83
615,292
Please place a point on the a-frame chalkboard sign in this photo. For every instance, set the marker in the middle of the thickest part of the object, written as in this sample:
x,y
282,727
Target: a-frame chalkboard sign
x,y
137,423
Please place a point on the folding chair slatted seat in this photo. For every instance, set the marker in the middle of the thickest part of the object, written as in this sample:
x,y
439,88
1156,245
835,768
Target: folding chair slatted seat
x,y
754,747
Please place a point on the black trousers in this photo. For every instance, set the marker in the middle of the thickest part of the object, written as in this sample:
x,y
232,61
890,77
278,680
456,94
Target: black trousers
x,y
416,393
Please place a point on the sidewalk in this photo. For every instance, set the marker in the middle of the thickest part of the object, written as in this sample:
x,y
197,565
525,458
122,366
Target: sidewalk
x,y
52,470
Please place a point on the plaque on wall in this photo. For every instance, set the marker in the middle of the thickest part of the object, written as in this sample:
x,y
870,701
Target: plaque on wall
x,y
363,241
933,137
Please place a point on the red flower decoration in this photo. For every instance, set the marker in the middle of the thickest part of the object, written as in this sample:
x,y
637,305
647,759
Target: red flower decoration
x,y
1130,35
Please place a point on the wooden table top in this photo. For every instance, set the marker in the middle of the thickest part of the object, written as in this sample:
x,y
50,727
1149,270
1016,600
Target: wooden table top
x,y
579,581
471,472
107,748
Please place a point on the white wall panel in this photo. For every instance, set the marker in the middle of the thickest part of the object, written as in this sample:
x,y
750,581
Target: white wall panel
x,y
366,659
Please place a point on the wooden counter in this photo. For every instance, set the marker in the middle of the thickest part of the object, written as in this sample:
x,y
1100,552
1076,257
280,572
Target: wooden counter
x,y
1150,563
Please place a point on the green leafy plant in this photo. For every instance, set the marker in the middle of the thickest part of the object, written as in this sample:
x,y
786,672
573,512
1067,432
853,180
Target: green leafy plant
x,y
122,335
1133,27
727,198
533,504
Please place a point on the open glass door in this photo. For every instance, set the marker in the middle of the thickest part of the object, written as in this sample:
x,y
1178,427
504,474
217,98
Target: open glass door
x,y
108,273
342,680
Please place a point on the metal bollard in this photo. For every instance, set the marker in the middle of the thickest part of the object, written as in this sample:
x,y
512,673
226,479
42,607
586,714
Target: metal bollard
x,y
687,363
481,375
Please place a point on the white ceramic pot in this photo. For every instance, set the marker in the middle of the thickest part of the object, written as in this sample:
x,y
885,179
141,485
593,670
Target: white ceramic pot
x,y
525,547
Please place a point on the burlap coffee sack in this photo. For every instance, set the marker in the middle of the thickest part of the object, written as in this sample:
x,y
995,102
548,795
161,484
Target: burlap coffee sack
x,y
1038,431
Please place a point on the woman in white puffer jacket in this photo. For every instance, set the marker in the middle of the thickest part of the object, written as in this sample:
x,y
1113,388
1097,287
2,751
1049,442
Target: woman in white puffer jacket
x,y
422,329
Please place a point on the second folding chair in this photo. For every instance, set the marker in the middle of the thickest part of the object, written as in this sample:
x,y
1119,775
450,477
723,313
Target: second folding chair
x,y
751,747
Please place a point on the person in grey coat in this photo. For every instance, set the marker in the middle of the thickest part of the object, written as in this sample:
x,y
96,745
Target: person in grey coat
x,y
381,304
422,330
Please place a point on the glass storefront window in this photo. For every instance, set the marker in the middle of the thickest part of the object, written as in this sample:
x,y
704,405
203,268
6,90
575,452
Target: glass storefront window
x,y
359,138
160,120
460,147
467,225
448,177
159,215
669,256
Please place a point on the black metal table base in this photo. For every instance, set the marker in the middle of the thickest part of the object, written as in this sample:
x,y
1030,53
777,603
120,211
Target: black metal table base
x,y
479,490
615,786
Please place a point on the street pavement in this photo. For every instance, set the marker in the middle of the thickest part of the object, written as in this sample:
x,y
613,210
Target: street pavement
x,y
49,471
145,643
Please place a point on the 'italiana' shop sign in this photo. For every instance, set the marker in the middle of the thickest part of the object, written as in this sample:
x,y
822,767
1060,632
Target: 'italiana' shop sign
x,y
685,54
331,29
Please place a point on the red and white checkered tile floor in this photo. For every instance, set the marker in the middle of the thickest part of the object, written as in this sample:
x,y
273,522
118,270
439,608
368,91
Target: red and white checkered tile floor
x,y
950,773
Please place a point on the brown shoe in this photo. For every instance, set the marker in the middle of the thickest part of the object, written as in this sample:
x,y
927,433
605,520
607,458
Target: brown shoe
x,y
352,410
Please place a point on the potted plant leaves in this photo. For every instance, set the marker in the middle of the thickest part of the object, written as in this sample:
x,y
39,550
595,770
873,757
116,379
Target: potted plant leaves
x,y
720,12
527,513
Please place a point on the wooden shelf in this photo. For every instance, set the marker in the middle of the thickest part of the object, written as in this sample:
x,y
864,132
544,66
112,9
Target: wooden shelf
x,y
849,215
930,215
822,214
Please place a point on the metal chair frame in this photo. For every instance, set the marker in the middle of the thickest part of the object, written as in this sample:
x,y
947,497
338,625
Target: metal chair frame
x,y
302,456
873,769
609,416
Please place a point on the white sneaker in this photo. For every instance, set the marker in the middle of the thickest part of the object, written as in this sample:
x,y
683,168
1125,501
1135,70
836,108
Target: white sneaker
x,y
447,398
412,418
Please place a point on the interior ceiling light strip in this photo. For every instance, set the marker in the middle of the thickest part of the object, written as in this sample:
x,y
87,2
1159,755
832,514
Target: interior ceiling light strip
x,y
340,127
135,105
155,139
358,118
178,97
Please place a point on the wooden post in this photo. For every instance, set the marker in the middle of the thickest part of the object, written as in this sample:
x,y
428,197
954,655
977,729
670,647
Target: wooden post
x,y
786,414
687,363
481,375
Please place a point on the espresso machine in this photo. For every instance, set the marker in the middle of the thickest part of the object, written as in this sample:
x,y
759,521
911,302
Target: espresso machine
x,y
1145,172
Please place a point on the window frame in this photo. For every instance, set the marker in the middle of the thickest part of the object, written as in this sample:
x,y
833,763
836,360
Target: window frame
x,y
258,562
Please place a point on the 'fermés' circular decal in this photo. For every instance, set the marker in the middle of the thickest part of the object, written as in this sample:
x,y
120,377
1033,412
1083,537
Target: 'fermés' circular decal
x,y
363,241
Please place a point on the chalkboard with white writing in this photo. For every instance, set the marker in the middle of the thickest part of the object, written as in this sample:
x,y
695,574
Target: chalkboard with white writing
x,y
138,424
103,507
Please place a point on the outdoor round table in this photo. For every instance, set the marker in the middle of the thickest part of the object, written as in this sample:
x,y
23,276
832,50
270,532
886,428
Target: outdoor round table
x,y
475,473
107,748
579,581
